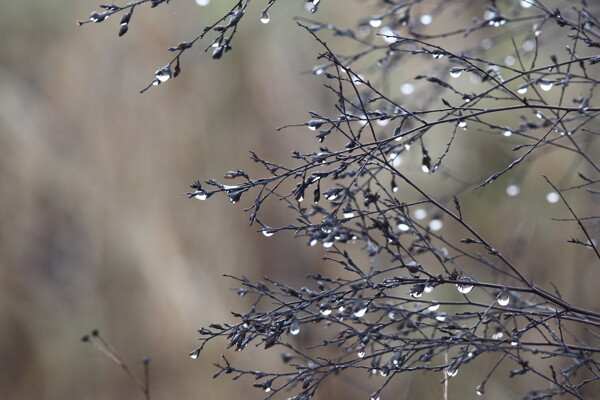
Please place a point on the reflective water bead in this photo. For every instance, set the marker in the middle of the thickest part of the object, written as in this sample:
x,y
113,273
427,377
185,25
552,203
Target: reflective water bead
x,y
455,72
325,311
295,328
479,390
264,17
375,22
420,213
436,224
503,299
512,190
498,335
552,197
163,74
360,313
407,88
546,85
526,3
464,287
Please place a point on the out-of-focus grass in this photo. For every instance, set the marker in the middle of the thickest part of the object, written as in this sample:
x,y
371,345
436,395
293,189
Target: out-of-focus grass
x,y
95,231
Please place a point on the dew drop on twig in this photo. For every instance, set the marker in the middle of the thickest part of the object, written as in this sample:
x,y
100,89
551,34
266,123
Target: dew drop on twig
x,y
375,22
464,287
503,299
264,17
455,72
546,86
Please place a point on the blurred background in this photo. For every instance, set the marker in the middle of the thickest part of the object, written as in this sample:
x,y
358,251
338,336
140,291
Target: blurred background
x,y
95,227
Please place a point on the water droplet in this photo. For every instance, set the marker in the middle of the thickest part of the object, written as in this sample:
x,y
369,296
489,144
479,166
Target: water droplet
x,y
503,299
546,85
267,389
268,232
451,372
498,335
425,168
327,244
479,390
539,115
403,227
374,398
360,313
348,214
512,190
383,122
434,307
361,353
388,34
507,133
462,124
420,213
464,287
552,197
435,224
522,89
264,17
201,196
295,328
407,88
202,2
375,22
440,317
325,311
510,60
455,72
384,372
313,242
426,19
314,124
194,354
526,3
417,291
163,74
514,343
428,288
528,45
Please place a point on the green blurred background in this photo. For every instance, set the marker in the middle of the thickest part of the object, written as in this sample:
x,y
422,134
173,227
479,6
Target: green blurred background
x,y
95,229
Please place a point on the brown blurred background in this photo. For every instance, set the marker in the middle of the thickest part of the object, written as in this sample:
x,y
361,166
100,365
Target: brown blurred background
x,y
95,229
